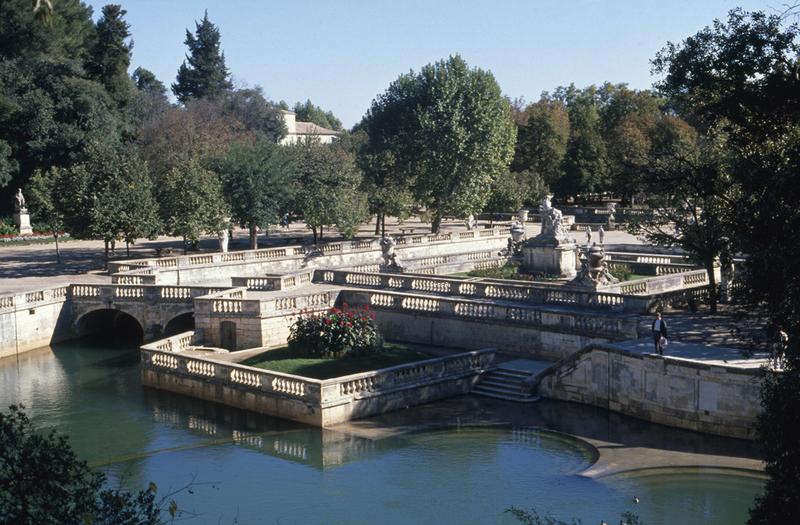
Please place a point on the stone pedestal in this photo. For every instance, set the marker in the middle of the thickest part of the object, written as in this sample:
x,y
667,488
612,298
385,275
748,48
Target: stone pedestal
x,y
22,220
554,258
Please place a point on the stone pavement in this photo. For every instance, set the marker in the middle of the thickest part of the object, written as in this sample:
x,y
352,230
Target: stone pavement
x,y
710,355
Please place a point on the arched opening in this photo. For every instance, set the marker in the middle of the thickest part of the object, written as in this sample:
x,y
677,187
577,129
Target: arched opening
x,y
179,324
111,327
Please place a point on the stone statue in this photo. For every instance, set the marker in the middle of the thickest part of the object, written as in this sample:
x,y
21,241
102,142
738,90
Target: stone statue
x,y
471,222
19,202
594,272
601,233
390,261
222,237
612,207
552,225
514,247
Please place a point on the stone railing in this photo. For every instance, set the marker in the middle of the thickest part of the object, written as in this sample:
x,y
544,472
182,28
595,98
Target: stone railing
x,y
270,282
383,381
34,298
159,357
335,248
135,276
591,324
235,303
661,284
647,258
229,374
128,293
175,343
525,292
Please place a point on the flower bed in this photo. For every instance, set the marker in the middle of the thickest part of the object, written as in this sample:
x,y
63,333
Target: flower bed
x,y
336,333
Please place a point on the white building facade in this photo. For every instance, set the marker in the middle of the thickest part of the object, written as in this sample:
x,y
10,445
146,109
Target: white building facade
x,y
300,131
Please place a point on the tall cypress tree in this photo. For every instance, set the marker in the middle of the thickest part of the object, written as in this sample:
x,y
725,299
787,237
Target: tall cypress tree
x,y
203,73
111,55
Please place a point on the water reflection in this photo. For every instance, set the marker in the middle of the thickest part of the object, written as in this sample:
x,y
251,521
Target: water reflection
x,y
384,469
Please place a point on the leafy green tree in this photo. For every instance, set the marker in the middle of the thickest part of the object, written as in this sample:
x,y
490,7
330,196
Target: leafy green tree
x,y
44,482
203,73
149,100
43,201
585,162
110,55
512,190
542,137
191,202
329,183
8,166
740,76
257,115
309,112
259,181
453,135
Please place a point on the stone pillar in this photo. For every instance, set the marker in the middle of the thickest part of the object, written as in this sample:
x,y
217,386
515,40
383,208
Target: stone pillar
x,y
22,220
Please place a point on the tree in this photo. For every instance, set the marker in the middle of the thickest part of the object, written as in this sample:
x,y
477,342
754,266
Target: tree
x,y
149,100
256,114
191,202
328,188
259,181
690,193
585,164
452,136
308,112
44,482
43,199
110,55
542,140
205,75
740,76
511,190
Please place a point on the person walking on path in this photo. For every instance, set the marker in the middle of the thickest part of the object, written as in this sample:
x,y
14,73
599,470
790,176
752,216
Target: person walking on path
x,y
659,333
588,236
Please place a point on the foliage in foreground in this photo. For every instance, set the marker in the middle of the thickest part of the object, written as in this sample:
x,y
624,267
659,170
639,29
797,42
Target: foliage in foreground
x,y
43,481
532,517
336,333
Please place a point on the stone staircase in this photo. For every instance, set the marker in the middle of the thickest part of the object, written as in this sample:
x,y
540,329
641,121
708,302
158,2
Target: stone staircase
x,y
505,384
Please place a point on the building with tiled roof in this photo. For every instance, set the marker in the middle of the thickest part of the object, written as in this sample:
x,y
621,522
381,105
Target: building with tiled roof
x,y
298,131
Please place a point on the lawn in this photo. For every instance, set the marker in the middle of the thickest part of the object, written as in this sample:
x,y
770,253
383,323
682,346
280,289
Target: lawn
x,y
286,361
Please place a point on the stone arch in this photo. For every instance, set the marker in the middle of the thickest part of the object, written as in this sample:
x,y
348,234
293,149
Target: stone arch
x,y
182,322
111,326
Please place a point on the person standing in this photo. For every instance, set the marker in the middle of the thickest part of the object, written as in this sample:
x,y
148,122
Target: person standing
x,y
588,235
601,233
659,331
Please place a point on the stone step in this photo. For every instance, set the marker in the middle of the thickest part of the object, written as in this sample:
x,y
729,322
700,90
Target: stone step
x,y
494,381
515,398
505,372
483,387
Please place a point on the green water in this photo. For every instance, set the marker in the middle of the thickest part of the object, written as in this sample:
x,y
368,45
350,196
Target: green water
x,y
253,469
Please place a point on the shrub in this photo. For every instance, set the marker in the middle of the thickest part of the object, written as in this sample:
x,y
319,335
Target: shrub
x,y
7,227
336,333
622,272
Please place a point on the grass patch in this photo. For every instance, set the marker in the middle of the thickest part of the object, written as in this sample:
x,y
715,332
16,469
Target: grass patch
x,y
510,271
289,362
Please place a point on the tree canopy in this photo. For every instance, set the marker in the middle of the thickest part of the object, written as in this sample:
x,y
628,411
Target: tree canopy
x,y
203,74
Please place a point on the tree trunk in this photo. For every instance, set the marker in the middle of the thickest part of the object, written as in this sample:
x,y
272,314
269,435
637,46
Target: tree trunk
x,y
127,248
185,246
321,231
377,223
105,243
314,233
253,238
712,285
437,222
383,224
58,252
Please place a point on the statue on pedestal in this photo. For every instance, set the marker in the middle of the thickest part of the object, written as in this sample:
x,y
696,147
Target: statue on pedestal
x,y
390,262
553,251
21,218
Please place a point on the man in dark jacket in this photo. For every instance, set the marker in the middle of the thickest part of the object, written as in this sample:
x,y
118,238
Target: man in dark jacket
x,y
659,331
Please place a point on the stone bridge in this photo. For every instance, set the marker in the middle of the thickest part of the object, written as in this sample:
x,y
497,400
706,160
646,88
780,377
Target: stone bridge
x,y
157,309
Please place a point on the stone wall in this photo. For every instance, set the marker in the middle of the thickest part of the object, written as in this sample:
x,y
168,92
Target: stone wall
x,y
34,319
722,400
315,402
528,330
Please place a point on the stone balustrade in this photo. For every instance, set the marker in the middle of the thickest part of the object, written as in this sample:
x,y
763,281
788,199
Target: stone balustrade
x,y
317,402
33,299
590,324
535,293
271,282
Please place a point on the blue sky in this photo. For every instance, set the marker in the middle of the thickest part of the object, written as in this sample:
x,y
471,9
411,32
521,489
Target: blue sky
x,y
342,54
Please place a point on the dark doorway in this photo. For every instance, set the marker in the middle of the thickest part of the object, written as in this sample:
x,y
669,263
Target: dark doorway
x,y
227,335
